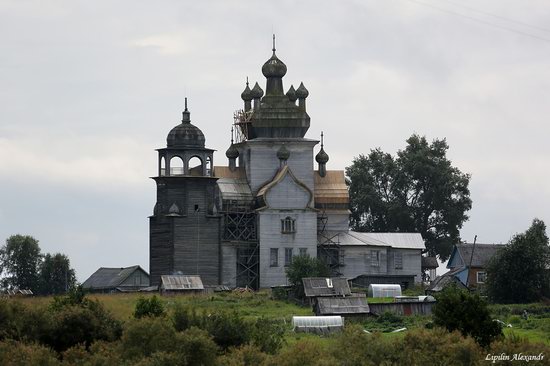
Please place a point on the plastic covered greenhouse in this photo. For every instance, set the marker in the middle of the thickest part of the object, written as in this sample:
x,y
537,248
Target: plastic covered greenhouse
x,y
376,290
317,324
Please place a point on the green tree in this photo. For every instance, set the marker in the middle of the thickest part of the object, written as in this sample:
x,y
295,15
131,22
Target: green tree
x,y
466,312
19,262
519,272
56,275
417,191
305,266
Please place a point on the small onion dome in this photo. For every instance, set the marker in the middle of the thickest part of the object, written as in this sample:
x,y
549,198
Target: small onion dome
x,y
321,157
283,153
274,68
302,92
232,152
256,91
246,95
291,94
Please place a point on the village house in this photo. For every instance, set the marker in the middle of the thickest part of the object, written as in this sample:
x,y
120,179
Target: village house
x,y
121,279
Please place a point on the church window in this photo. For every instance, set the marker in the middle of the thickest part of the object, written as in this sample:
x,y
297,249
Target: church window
x,y
288,256
274,257
398,260
375,258
288,225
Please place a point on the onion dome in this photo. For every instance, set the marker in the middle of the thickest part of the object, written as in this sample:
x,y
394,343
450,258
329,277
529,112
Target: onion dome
x,y
185,135
246,95
274,68
321,157
302,92
232,152
283,153
256,91
291,94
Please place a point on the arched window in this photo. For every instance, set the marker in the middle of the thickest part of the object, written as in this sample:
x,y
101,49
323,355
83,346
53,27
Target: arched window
x,y
195,166
288,225
162,166
176,166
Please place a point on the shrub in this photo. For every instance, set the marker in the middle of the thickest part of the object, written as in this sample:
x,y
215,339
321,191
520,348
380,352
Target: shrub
x,y
303,353
74,325
196,347
14,353
460,310
268,335
305,266
359,348
23,323
517,345
247,355
184,318
149,307
227,329
438,347
143,337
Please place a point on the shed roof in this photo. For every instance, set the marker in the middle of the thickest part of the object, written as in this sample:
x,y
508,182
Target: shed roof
x,y
235,189
482,253
394,240
342,305
106,277
331,188
429,262
225,172
445,280
321,286
181,282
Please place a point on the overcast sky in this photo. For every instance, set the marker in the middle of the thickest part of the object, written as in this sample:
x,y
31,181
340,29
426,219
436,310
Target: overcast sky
x,y
88,90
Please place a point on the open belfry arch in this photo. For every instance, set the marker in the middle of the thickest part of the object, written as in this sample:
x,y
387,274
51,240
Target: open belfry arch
x,y
241,224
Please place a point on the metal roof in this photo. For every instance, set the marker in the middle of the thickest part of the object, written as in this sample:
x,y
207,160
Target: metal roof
x,y
321,286
106,277
342,305
181,282
331,188
394,240
234,189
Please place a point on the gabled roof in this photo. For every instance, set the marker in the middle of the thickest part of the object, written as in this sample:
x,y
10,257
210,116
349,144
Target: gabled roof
x,y
482,253
342,305
181,282
322,286
106,277
393,240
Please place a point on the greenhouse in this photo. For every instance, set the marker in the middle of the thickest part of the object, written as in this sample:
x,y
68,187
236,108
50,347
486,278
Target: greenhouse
x,y
376,290
317,324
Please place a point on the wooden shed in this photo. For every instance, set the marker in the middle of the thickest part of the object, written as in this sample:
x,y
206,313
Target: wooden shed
x,y
180,284
344,306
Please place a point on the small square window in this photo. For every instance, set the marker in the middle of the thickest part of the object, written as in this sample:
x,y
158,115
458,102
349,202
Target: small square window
x,y
288,256
303,252
481,277
274,257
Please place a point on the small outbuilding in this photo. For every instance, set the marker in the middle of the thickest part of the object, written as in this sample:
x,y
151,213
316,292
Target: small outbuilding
x,y
121,279
388,290
344,306
180,284
317,324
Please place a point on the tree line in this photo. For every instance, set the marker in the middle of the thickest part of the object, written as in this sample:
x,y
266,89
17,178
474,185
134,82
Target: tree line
x,y
24,267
